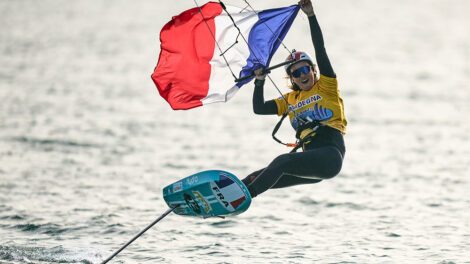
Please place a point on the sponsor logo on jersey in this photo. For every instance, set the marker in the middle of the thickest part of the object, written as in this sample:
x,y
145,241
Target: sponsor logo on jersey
x,y
300,104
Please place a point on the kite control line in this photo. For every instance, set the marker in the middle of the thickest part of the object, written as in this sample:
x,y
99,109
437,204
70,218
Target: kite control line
x,y
139,234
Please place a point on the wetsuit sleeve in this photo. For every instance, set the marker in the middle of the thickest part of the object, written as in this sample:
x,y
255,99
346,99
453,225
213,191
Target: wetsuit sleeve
x,y
320,52
261,107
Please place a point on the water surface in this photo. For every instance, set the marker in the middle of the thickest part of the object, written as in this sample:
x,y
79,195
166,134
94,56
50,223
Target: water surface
x,y
87,144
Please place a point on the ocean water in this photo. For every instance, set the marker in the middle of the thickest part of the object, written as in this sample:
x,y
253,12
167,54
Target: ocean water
x,y
87,144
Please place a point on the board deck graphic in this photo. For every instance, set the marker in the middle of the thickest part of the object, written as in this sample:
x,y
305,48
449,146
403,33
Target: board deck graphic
x,y
208,194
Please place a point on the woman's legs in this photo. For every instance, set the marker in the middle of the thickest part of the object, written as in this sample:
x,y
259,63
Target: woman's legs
x,y
296,168
284,181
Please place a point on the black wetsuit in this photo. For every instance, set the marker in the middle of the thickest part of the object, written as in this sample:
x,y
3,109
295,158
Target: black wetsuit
x,y
321,158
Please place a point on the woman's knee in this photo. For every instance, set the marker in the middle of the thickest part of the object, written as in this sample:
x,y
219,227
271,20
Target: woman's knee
x,y
332,172
333,168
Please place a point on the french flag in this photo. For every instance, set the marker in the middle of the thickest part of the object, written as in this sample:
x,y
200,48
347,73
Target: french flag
x,y
202,50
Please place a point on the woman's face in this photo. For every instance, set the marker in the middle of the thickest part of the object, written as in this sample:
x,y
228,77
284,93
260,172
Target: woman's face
x,y
304,75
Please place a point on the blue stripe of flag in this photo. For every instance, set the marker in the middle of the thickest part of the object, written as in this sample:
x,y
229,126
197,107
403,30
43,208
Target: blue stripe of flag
x,y
263,43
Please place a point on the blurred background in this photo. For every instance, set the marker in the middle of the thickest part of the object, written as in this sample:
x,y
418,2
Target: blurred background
x,y
87,144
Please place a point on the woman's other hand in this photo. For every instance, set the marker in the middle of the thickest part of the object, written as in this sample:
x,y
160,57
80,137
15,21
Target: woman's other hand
x,y
307,7
260,74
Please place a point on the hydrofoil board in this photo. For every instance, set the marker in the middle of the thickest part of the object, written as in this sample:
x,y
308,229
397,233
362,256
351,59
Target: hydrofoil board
x,y
208,194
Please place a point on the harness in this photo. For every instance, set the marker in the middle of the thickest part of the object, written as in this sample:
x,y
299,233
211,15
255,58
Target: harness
x,y
306,126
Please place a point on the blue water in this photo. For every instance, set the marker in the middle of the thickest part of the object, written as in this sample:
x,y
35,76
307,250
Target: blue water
x,y
87,144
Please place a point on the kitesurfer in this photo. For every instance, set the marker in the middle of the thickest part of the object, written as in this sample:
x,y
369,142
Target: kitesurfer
x,y
316,112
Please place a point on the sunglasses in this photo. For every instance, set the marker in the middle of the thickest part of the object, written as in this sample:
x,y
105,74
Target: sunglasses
x,y
305,70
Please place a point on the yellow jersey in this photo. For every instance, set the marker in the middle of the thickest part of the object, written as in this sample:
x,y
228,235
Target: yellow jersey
x,y
322,103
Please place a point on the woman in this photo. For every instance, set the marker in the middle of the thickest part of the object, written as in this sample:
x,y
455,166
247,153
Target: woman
x,y
316,112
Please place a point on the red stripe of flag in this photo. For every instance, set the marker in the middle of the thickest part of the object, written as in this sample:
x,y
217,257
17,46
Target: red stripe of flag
x,y
187,45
